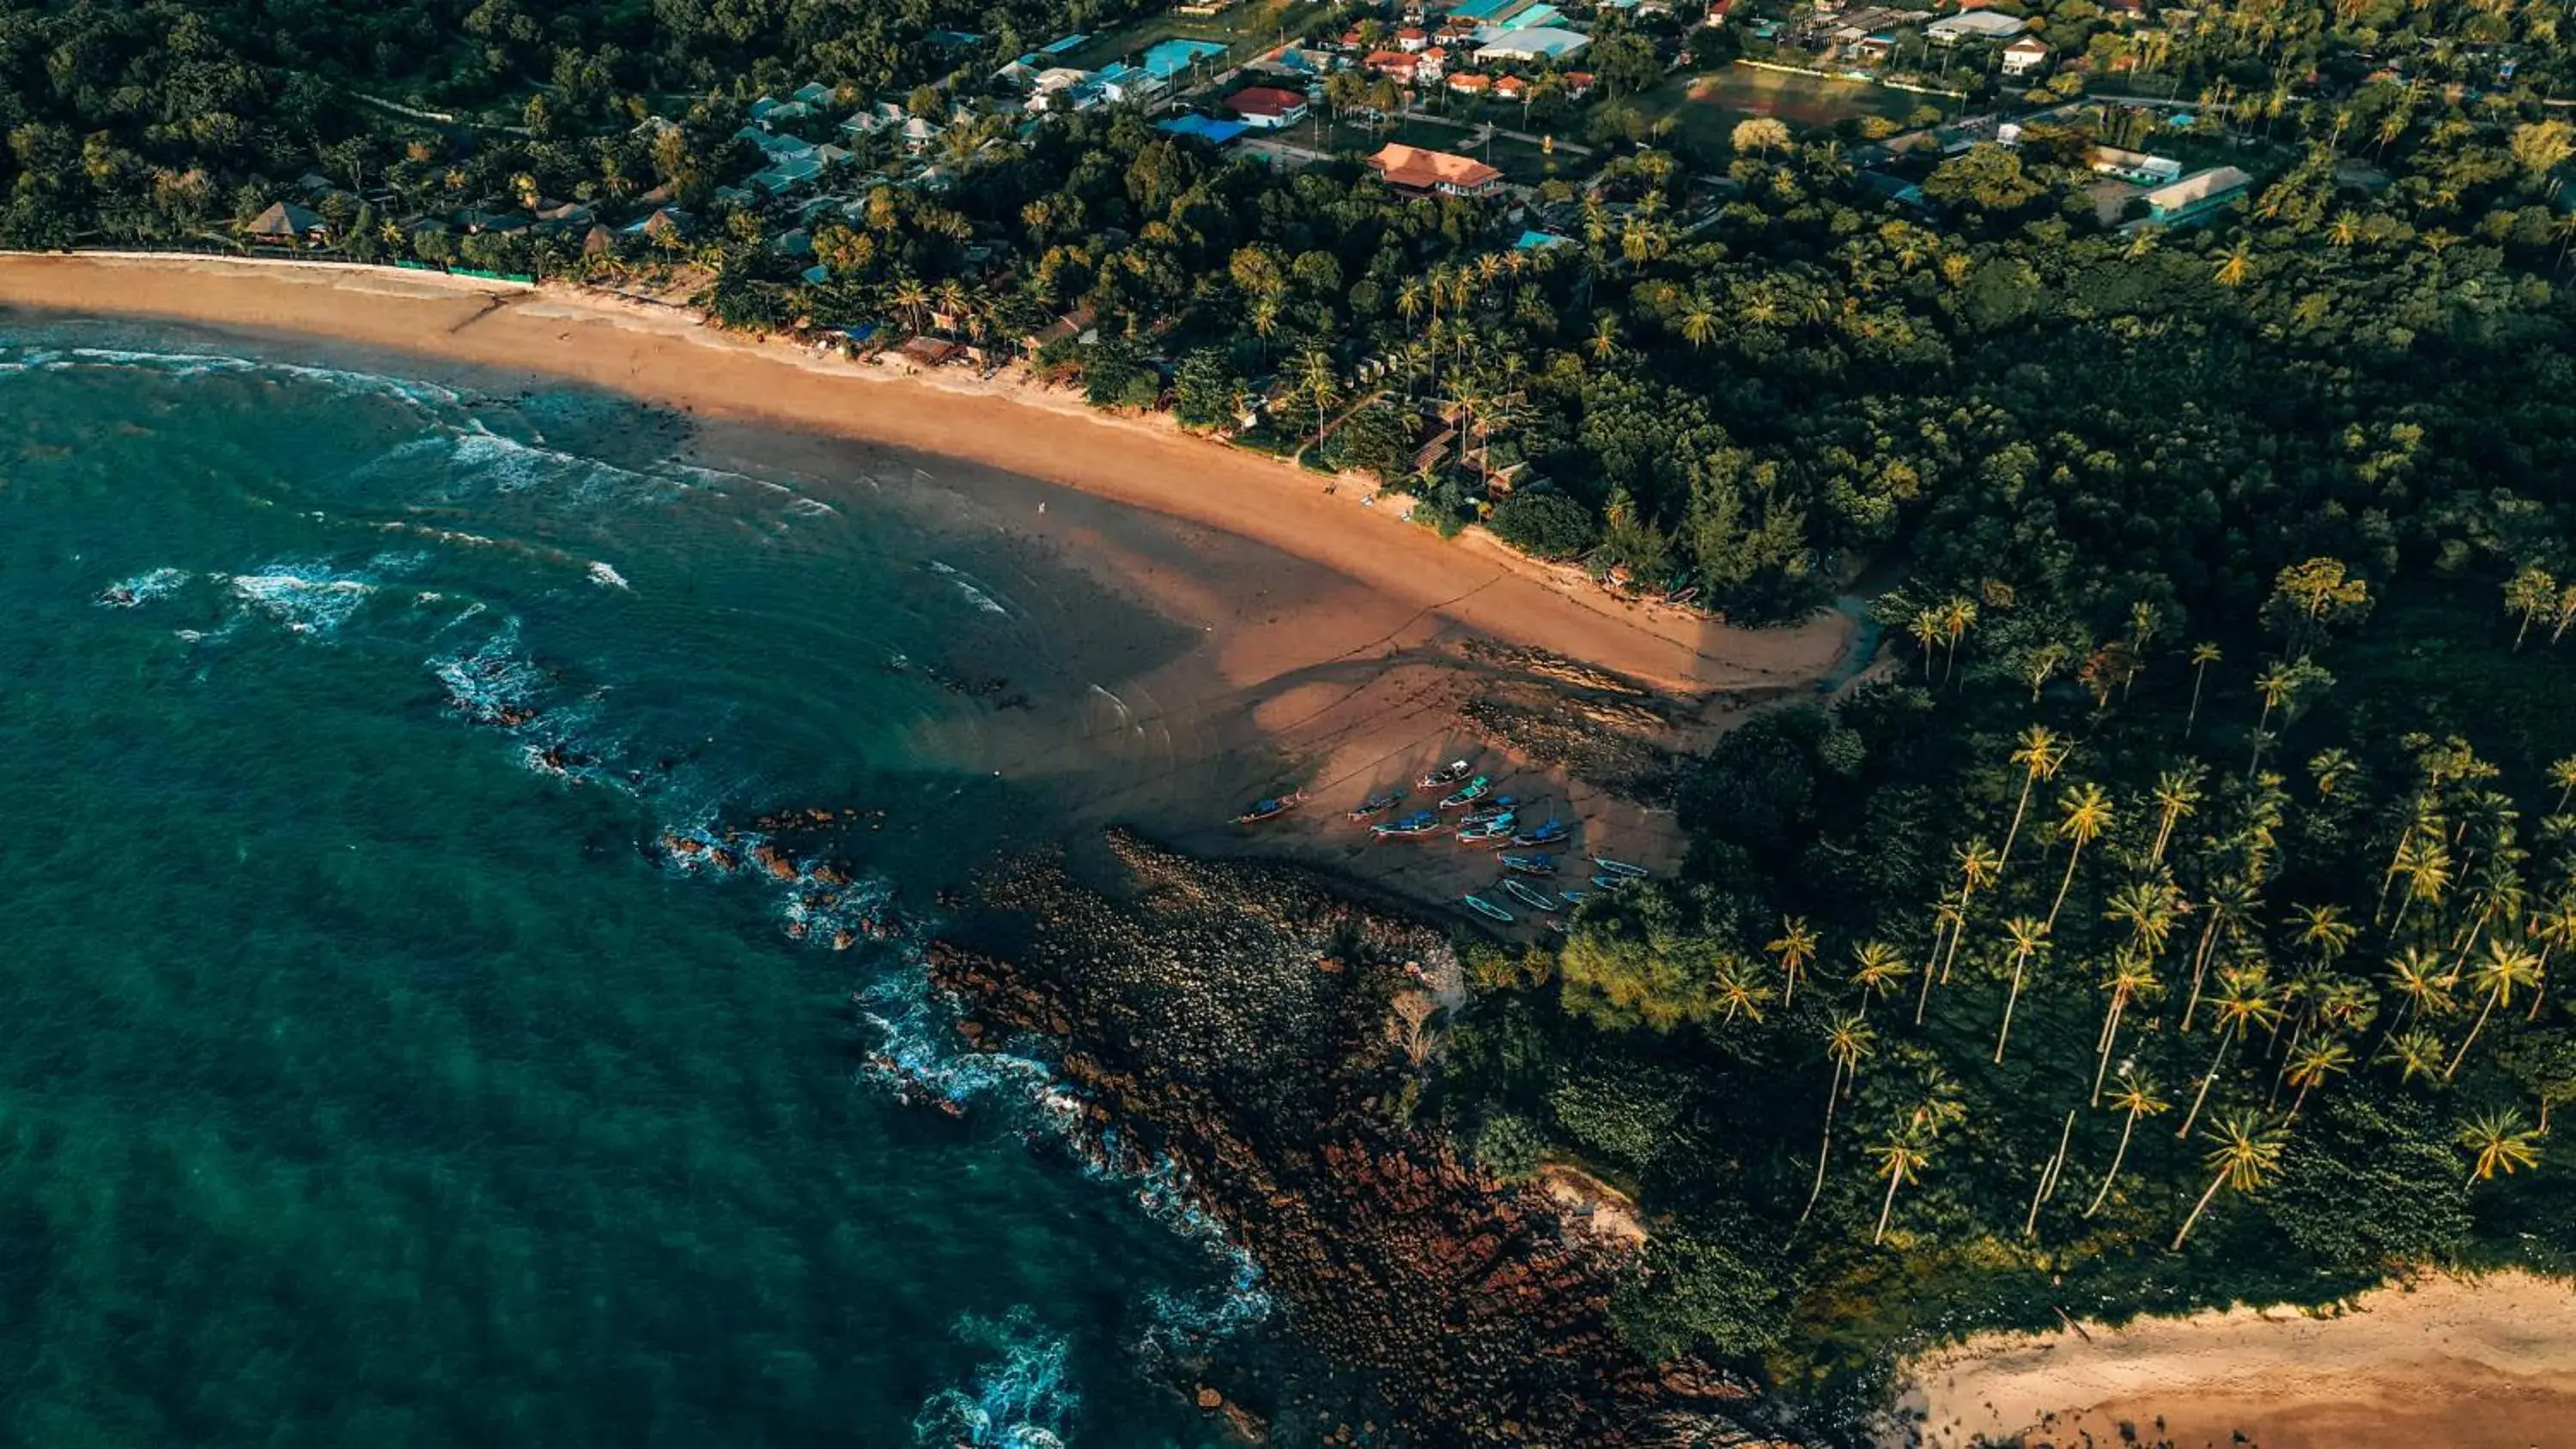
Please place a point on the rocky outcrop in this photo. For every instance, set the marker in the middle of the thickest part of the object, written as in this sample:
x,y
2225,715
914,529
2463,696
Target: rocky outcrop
x,y
1233,1019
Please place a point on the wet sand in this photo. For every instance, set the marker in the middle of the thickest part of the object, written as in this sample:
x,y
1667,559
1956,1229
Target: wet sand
x,y
2488,1363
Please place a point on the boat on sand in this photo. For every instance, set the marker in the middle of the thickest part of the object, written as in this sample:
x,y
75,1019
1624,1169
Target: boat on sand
x,y
1376,805
1444,777
1272,808
1413,826
1528,897
1484,907
1622,868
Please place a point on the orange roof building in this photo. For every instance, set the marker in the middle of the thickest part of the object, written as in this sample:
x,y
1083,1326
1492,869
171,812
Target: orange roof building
x,y
1424,172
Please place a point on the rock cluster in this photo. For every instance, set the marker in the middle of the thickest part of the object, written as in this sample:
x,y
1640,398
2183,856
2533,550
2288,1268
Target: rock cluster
x,y
1195,1009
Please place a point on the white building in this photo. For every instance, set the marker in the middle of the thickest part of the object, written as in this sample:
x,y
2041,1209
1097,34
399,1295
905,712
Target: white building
x,y
1974,25
2025,55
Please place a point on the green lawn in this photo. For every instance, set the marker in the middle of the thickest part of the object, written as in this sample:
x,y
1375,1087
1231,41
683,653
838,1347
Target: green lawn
x,y
1706,107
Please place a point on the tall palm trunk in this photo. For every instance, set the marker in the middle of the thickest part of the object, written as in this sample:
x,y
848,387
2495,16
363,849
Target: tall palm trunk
x,y
2478,1026
2198,1208
2225,1040
1888,1205
2055,906
2199,967
2048,1177
2199,676
2020,960
2028,779
2117,1157
1825,1151
2110,1036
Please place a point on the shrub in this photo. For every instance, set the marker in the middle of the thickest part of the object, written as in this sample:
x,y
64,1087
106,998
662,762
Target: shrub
x,y
1543,522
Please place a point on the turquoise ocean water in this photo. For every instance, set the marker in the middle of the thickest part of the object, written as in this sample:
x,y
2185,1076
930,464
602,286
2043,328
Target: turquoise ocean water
x,y
365,1076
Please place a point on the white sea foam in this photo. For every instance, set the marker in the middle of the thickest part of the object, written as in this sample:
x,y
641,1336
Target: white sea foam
x,y
307,598
974,595
1022,1398
605,576
143,588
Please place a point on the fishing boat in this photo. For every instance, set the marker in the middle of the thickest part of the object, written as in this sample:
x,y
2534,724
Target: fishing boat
x,y
1444,777
1487,837
1419,823
1468,794
1272,808
1547,834
1498,808
1621,867
1376,805
1530,864
1610,882
1484,907
1529,898
1575,898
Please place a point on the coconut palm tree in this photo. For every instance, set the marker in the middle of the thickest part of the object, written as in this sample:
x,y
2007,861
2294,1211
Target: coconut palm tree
x,y
1698,322
2415,1052
2041,754
2202,656
2084,813
1739,992
912,299
2134,1098
1979,866
1900,1158
2029,938
1315,379
2312,1064
2245,1153
2177,797
2562,773
2426,863
2245,998
1793,948
2509,966
2498,1141
2132,977
2228,909
2418,975
2148,907
1925,627
1958,614
1849,1040
1876,968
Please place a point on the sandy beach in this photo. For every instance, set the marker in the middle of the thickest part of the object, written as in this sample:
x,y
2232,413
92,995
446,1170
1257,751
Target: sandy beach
x,y
1337,644
2487,1363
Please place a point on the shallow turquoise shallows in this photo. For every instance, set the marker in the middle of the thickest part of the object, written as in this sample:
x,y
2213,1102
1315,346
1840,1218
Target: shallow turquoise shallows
x,y
367,1077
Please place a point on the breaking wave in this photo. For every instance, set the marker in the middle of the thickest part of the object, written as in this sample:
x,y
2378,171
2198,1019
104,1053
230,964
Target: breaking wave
x,y
1022,1398
307,598
974,595
143,588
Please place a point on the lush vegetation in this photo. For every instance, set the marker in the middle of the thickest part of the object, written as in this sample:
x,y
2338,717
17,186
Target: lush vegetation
x,y
2181,921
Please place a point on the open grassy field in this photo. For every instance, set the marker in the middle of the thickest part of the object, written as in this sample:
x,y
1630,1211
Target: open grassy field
x,y
1705,107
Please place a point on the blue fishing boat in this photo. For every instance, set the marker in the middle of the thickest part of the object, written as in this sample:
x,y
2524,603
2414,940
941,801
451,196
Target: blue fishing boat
x,y
1548,834
1376,805
1575,898
1484,907
1419,823
1487,837
1622,868
1610,882
1530,864
1529,898
1498,808
1468,794
1272,808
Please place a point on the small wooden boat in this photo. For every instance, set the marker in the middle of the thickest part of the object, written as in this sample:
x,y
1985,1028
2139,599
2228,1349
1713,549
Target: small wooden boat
x,y
1484,907
1621,867
1272,808
1547,834
1610,882
1419,823
1444,777
1530,864
1498,808
1529,898
1377,805
1468,794
1486,837
1575,898
1502,824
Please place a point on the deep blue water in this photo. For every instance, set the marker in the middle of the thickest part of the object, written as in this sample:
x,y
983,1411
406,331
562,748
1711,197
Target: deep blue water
x,y
365,1075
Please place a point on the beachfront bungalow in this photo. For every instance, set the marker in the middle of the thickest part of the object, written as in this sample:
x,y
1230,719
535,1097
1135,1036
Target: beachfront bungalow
x,y
1268,108
663,222
1418,172
286,224
1081,325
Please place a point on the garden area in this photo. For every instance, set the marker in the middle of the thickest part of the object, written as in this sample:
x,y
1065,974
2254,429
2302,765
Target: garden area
x,y
1244,29
1705,108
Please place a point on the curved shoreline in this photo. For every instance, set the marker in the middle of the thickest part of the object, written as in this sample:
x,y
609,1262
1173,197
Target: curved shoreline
x,y
666,355
2442,1359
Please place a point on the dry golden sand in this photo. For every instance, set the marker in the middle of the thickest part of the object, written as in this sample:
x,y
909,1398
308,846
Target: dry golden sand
x,y
2442,1363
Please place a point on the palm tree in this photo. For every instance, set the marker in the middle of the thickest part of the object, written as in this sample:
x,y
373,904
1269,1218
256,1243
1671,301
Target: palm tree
x,y
2312,1064
2530,593
2132,978
2562,773
2202,656
1900,1158
1408,297
2245,1155
1876,968
2509,966
1699,322
1738,993
2085,812
1979,865
1848,1042
2135,1098
2418,974
2245,998
2415,1052
912,299
1925,626
2278,681
1958,614
1316,380
2499,1142
2177,796
2236,265
1605,337
1793,948
2029,937
2426,863
2040,753
2230,905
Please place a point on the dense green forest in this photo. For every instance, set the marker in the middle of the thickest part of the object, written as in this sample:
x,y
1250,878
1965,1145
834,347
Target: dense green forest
x,y
2186,919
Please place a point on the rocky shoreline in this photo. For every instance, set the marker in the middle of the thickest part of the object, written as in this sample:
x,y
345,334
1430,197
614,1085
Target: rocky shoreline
x,y
1246,1024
